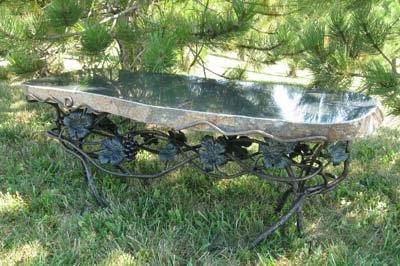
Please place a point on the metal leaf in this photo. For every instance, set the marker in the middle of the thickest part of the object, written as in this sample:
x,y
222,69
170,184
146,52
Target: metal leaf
x,y
78,124
275,153
236,145
177,136
337,152
112,151
167,153
107,125
211,153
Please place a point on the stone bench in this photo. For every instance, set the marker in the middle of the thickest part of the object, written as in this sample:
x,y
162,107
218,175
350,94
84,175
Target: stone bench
x,y
281,133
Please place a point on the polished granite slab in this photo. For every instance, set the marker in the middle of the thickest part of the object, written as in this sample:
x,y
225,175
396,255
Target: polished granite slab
x,y
284,111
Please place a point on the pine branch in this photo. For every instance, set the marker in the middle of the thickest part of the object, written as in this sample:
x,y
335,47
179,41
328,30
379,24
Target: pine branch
x,y
293,53
374,44
206,6
264,32
62,36
273,14
210,34
9,35
350,74
274,6
394,23
131,9
250,47
209,70
200,61
341,34
203,65
196,56
264,5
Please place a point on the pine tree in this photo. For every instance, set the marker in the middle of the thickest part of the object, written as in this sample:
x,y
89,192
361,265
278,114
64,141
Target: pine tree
x,y
354,39
339,41
149,35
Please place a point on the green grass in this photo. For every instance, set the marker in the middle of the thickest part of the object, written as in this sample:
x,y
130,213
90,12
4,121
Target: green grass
x,y
48,217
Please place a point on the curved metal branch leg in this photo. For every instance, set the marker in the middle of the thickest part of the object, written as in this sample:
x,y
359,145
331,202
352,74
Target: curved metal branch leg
x,y
300,220
91,183
88,175
282,200
298,203
297,187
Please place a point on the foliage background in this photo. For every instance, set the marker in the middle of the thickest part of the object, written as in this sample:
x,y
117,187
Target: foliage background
x,y
342,42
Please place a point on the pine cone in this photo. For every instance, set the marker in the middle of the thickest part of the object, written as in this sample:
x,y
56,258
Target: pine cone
x,y
131,148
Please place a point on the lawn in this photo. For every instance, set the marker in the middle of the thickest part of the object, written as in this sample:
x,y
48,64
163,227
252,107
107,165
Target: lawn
x,y
47,215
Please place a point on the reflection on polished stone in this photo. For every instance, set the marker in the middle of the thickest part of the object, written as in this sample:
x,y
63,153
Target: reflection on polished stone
x,y
289,103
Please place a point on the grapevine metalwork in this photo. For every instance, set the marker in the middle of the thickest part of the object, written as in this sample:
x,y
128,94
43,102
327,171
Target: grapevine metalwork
x,y
302,165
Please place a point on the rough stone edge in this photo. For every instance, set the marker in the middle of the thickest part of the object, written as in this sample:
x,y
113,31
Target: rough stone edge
x,y
212,122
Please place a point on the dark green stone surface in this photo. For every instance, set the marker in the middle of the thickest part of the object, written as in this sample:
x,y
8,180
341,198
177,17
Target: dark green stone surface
x,y
288,103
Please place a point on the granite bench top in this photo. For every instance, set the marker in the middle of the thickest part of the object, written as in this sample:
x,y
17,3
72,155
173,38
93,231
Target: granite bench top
x,y
286,112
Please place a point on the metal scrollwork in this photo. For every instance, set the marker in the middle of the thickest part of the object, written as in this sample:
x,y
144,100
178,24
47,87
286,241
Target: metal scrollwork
x,y
302,165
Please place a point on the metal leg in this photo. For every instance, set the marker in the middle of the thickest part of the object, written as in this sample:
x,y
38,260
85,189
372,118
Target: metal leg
x,y
294,209
282,200
88,176
303,160
300,220
298,190
91,184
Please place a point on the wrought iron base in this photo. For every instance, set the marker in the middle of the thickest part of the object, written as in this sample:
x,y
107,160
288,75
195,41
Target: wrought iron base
x,y
302,165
